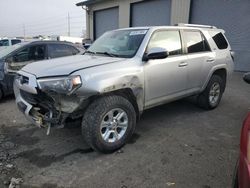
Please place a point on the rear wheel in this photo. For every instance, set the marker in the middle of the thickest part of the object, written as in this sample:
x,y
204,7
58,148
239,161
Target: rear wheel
x,y
108,123
211,96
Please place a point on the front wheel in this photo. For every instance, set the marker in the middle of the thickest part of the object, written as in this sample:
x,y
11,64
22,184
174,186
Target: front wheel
x,y
108,123
211,96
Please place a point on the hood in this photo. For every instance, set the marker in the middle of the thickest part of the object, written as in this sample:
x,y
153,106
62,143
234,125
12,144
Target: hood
x,y
67,65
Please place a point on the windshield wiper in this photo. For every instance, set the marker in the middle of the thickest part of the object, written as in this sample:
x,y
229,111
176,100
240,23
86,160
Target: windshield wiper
x,y
108,54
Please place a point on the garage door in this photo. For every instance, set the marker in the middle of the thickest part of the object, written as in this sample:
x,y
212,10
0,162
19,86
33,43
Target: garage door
x,y
149,13
233,17
105,20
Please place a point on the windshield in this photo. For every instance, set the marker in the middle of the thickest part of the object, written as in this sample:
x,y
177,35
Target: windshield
x,y
4,42
120,43
8,49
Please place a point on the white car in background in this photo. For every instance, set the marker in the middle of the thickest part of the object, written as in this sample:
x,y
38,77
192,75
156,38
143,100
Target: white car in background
x,y
9,42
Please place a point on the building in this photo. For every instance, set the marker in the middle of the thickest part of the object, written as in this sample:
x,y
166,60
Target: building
x,y
231,15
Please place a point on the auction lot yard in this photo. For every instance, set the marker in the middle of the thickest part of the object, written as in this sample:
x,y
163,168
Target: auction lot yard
x,y
175,145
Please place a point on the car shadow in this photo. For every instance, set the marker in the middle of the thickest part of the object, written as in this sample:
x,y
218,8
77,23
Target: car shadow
x,y
7,98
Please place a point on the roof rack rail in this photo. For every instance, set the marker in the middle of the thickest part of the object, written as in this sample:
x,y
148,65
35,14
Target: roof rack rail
x,y
196,25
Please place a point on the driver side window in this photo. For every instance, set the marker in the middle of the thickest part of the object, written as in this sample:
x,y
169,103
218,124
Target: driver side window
x,y
170,40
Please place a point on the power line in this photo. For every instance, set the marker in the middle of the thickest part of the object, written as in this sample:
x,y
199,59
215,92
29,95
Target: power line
x,y
60,24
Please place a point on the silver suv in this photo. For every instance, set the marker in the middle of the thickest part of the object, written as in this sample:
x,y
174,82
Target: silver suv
x,y
123,73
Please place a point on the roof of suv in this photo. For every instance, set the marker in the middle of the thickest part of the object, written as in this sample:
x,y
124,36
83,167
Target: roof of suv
x,y
179,26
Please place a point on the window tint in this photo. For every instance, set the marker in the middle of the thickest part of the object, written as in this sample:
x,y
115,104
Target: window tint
x,y
4,42
195,42
170,40
59,50
33,53
220,41
15,41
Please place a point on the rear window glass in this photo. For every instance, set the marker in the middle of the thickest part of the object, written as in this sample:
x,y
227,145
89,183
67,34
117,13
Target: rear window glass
x,y
220,41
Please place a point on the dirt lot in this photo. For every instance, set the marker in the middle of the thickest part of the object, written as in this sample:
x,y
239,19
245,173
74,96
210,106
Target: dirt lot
x,y
175,145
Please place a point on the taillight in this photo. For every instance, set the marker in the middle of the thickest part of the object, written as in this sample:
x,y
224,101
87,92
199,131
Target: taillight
x,y
245,138
232,53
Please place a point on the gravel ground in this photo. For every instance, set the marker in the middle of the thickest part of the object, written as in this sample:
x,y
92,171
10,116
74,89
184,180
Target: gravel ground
x,y
175,145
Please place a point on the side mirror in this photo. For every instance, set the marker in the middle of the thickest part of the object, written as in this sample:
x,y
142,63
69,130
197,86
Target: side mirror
x,y
156,53
246,77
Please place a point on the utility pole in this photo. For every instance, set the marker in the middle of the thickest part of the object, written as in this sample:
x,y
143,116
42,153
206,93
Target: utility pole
x,y
24,31
68,25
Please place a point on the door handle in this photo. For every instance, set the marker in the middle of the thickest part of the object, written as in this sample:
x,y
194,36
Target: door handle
x,y
183,64
210,60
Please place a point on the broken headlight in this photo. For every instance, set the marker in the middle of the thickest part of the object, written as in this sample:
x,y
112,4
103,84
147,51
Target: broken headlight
x,y
62,85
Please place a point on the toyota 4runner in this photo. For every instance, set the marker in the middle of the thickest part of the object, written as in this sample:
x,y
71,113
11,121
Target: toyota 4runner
x,y
123,73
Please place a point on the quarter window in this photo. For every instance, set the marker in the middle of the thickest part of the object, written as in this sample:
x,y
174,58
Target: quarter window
x,y
170,40
220,41
195,42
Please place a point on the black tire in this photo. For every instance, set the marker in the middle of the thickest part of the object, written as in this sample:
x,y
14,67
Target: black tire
x,y
235,183
204,98
95,114
1,93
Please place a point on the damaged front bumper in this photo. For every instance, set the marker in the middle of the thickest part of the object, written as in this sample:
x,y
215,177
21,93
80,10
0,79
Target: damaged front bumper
x,y
45,109
27,83
36,106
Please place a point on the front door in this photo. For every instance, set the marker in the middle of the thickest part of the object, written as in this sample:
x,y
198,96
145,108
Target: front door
x,y
21,58
165,79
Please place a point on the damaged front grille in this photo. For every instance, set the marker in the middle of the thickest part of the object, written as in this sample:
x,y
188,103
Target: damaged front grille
x,y
40,99
30,98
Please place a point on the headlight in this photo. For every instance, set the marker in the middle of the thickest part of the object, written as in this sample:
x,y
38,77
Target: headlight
x,y
63,85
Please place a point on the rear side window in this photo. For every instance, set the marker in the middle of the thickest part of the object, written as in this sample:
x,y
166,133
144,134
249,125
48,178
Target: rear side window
x,y
59,50
195,42
15,41
170,40
220,41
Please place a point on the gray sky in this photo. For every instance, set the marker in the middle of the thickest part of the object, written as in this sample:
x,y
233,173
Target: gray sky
x,y
40,17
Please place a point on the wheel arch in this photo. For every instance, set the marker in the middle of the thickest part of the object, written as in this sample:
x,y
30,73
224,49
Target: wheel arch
x,y
127,93
220,71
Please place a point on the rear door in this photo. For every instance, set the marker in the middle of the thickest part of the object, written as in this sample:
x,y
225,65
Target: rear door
x,y
61,50
166,78
200,58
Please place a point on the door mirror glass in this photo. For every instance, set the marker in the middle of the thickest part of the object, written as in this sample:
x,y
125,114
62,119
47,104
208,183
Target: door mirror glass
x,y
246,77
156,53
